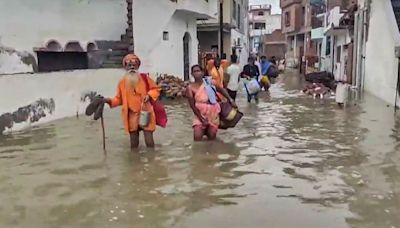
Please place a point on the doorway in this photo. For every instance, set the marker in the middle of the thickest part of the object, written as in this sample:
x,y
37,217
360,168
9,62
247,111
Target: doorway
x,y
186,56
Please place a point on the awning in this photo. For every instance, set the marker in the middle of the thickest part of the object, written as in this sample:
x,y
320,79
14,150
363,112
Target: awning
x,y
197,15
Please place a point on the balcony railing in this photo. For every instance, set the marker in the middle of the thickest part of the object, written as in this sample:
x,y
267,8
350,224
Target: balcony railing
x,y
257,18
316,23
260,7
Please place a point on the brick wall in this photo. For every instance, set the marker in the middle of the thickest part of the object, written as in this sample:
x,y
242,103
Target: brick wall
x,y
276,36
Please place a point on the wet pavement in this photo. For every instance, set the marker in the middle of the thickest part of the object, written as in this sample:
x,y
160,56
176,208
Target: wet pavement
x,y
291,162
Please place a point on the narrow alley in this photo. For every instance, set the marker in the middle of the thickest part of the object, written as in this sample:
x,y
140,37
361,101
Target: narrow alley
x,y
291,162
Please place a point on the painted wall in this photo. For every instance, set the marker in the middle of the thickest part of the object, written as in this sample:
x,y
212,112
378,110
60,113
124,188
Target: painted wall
x,y
65,88
26,24
165,56
381,65
333,18
244,53
339,68
273,22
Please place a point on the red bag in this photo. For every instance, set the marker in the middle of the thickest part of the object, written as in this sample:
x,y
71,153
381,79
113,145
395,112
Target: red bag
x,y
159,109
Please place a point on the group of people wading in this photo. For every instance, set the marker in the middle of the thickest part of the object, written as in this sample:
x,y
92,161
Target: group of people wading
x,y
216,84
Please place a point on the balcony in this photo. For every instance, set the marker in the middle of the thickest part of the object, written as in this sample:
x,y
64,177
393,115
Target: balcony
x,y
257,32
257,18
286,3
316,23
260,7
317,33
333,26
200,9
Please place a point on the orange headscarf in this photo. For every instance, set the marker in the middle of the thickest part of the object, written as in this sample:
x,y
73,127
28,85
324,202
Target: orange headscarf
x,y
130,58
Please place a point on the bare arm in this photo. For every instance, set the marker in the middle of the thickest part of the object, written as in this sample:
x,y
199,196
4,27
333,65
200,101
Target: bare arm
x,y
226,94
192,103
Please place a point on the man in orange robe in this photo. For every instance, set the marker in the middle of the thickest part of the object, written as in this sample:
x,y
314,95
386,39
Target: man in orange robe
x,y
134,93
216,72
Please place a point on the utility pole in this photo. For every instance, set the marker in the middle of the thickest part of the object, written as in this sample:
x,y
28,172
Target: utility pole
x,y
221,27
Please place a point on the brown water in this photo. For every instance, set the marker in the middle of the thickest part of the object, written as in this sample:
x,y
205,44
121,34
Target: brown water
x,y
291,162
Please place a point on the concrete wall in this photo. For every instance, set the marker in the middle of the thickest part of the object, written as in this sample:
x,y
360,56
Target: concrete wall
x,y
244,53
381,65
273,22
65,88
27,24
166,56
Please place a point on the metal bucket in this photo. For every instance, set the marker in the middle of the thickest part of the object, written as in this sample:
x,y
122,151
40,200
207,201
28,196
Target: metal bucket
x,y
144,118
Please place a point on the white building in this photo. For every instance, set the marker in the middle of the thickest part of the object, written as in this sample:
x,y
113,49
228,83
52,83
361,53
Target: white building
x,y
378,72
261,22
363,53
41,39
235,31
163,28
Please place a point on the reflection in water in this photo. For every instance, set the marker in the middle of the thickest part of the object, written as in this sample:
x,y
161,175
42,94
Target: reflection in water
x,y
291,162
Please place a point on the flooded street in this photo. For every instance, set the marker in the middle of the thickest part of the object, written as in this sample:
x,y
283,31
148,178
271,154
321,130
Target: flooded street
x,y
291,162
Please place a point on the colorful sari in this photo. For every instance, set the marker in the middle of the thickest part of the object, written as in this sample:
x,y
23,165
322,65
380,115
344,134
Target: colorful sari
x,y
207,110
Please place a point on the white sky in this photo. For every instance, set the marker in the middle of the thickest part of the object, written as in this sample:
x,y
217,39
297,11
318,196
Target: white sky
x,y
274,3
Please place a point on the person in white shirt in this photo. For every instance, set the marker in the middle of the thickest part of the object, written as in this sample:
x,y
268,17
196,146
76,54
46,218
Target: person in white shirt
x,y
233,72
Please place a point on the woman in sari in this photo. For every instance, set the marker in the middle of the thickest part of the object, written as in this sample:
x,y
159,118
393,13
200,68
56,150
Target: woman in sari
x,y
134,93
202,99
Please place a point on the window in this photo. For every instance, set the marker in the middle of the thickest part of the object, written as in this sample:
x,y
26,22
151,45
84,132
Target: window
x,y
287,19
338,54
72,57
259,26
303,15
165,35
328,45
261,13
234,9
58,61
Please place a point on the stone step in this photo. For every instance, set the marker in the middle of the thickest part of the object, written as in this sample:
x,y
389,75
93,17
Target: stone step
x,y
117,53
130,35
128,41
127,38
121,46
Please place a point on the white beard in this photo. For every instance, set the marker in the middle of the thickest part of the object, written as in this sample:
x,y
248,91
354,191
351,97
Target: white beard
x,y
133,78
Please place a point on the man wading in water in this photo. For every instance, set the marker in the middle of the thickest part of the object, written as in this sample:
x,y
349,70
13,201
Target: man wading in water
x,y
134,93
202,98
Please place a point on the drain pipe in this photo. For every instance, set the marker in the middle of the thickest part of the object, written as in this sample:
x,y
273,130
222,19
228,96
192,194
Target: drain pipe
x,y
221,27
398,86
397,92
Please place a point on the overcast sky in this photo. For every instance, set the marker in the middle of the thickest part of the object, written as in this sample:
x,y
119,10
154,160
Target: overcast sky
x,y
274,3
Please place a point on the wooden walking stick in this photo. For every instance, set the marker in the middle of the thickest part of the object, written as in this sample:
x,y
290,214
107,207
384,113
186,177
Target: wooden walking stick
x,y
104,134
99,114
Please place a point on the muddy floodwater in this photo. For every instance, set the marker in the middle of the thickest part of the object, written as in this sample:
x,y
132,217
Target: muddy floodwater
x,y
291,162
